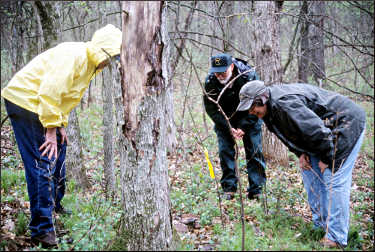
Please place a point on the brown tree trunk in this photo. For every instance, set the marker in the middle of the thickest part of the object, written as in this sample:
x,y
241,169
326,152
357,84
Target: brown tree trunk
x,y
74,157
268,66
317,14
229,25
304,55
107,89
144,168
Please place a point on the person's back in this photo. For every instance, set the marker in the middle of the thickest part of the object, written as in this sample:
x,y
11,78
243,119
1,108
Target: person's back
x,y
53,83
338,113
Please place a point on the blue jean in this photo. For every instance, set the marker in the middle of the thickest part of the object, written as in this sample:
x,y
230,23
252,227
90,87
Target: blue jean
x,y
254,158
45,178
329,195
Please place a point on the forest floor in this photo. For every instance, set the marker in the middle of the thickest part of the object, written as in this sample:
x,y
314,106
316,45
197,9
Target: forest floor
x,y
280,220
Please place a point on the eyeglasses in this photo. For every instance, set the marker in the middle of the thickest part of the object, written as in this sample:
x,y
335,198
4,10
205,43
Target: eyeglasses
x,y
223,74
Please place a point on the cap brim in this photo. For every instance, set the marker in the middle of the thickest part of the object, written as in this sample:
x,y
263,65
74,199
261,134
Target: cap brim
x,y
221,69
245,104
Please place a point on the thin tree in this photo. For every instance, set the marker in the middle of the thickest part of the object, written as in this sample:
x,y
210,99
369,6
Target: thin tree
x,y
108,122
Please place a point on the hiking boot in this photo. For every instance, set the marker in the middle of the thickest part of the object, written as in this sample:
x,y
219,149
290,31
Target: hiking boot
x,y
327,243
252,196
63,211
229,195
48,240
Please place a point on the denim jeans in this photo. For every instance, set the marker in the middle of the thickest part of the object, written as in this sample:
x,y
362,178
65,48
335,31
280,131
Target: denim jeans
x,y
254,158
329,195
45,178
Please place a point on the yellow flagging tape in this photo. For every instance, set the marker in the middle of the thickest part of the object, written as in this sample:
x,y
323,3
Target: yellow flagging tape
x,y
210,168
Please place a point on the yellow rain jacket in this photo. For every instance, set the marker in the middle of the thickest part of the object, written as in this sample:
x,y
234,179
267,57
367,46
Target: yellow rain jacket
x,y
53,83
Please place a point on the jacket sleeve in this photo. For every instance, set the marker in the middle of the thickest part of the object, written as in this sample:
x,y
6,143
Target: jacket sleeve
x,y
56,83
247,121
308,128
250,76
212,109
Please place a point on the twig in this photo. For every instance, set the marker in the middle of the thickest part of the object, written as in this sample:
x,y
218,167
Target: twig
x,y
3,121
236,153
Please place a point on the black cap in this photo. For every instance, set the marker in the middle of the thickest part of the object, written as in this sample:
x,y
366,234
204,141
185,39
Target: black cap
x,y
220,63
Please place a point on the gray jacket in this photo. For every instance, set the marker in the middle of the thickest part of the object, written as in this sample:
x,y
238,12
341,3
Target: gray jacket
x,y
311,120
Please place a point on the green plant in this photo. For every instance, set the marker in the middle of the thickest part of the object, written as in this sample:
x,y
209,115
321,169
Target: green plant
x,y
21,223
11,178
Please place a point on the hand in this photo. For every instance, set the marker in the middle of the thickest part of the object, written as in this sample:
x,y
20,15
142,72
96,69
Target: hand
x,y
304,162
237,133
64,137
50,145
322,166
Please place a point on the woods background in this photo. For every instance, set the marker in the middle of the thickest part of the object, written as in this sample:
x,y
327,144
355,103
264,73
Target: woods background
x,y
324,43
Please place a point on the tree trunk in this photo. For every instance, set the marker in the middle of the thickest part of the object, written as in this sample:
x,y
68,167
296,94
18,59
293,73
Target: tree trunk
x,y
318,11
268,66
107,89
144,168
303,59
39,33
229,26
74,157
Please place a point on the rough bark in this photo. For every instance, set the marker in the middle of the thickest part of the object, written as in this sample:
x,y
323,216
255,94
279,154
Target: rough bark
x,y
40,36
229,25
107,89
144,173
74,157
303,59
268,65
316,39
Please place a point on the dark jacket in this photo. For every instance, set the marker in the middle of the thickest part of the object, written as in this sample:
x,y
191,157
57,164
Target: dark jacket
x,y
311,120
230,98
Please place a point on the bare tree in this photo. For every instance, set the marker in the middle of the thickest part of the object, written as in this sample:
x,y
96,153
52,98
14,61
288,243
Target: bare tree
x,y
144,174
317,41
303,69
311,62
107,89
74,157
267,62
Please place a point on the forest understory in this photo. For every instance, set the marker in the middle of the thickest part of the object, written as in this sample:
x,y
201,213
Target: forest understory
x,y
151,101
195,206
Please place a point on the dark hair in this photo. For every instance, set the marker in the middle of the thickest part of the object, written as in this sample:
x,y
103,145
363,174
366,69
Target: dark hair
x,y
257,102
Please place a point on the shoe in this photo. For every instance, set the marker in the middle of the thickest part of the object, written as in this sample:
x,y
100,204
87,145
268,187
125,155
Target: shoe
x,y
251,196
327,243
229,195
48,240
63,211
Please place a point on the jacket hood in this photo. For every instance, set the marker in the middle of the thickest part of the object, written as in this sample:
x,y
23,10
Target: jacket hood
x,y
108,38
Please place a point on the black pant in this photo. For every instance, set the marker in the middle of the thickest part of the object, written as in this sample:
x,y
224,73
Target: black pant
x,y
254,157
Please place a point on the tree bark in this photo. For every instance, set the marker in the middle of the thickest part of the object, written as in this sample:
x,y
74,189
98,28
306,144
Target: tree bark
x,y
74,157
107,89
229,26
318,11
268,65
144,169
303,59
